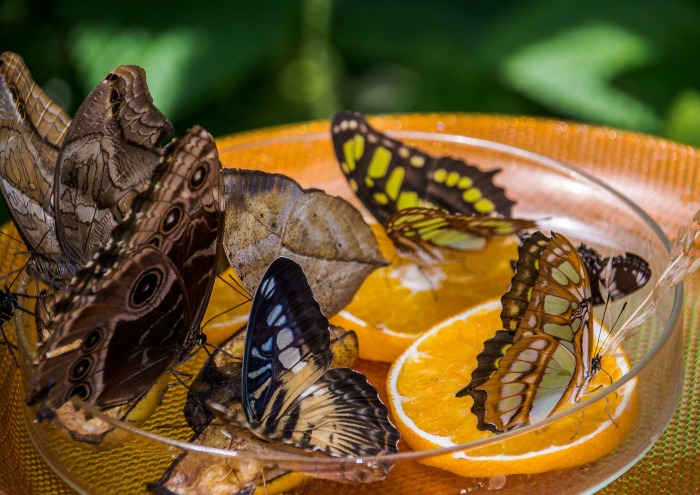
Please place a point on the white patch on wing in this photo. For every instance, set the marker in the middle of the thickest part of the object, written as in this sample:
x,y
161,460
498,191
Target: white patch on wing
x,y
274,314
260,371
267,288
284,338
289,357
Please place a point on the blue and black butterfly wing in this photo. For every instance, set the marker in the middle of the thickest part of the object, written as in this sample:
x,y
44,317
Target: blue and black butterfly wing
x,y
289,392
389,176
618,276
287,346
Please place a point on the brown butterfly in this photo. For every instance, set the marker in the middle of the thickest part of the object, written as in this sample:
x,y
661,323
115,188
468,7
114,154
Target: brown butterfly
x,y
67,184
133,312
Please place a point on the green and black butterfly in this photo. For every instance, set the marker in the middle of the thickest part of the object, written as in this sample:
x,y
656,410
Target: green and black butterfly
x,y
421,230
423,201
545,356
290,394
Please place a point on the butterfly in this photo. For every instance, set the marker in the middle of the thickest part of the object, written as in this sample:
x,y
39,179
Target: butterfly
x,y
446,197
544,357
617,276
271,215
420,230
68,183
291,396
389,176
219,380
133,312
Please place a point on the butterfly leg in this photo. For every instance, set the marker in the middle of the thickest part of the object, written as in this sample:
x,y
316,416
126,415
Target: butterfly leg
x,y
178,376
11,347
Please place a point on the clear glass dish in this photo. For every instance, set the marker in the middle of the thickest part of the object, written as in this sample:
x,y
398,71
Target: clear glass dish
x,y
559,197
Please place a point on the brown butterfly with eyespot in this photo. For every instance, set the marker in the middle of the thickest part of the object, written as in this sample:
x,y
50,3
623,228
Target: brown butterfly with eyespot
x,y
68,183
133,312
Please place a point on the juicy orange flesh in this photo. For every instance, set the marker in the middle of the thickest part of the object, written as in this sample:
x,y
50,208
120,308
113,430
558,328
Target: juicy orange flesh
x,y
442,364
397,303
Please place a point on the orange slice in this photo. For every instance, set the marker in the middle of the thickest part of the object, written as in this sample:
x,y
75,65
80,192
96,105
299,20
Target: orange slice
x,y
396,304
422,385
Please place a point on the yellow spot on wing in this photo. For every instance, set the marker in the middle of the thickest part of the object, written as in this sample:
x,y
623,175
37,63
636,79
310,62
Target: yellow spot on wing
x,y
407,199
471,195
417,161
440,175
484,206
349,151
369,182
381,198
452,179
353,184
380,163
464,183
393,185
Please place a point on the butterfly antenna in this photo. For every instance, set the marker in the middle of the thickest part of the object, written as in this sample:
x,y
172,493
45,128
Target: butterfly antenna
x,y
237,286
223,351
11,237
178,376
222,313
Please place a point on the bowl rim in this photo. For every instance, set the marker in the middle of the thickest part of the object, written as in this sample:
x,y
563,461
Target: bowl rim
x,y
301,459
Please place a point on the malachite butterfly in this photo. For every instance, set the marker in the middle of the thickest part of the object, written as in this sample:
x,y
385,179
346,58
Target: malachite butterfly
x,y
389,176
544,357
425,202
418,231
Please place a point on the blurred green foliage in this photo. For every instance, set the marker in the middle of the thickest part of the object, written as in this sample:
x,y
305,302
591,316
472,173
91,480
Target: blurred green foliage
x,y
234,65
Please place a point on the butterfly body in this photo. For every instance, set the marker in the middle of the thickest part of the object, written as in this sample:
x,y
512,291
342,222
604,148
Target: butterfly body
x,y
544,357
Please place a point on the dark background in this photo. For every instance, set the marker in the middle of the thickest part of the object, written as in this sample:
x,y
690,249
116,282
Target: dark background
x,y
234,65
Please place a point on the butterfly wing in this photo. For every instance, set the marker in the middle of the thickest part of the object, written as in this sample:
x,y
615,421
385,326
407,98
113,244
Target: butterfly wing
x,y
618,276
415,229
112,339
289,393
109,154
389,176
32,130
174,227
543,357
181,213
287,346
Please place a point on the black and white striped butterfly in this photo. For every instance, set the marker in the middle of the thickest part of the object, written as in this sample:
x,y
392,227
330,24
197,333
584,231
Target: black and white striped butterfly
x,y
289,393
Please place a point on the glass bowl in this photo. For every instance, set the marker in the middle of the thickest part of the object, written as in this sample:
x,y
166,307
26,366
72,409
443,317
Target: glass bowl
x,y
559,197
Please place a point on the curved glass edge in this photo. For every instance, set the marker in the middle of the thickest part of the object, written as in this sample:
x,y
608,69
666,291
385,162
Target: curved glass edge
x,y
343,461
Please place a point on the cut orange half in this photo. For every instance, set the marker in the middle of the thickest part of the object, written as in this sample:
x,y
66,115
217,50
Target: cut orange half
x,y
423,381
396,304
